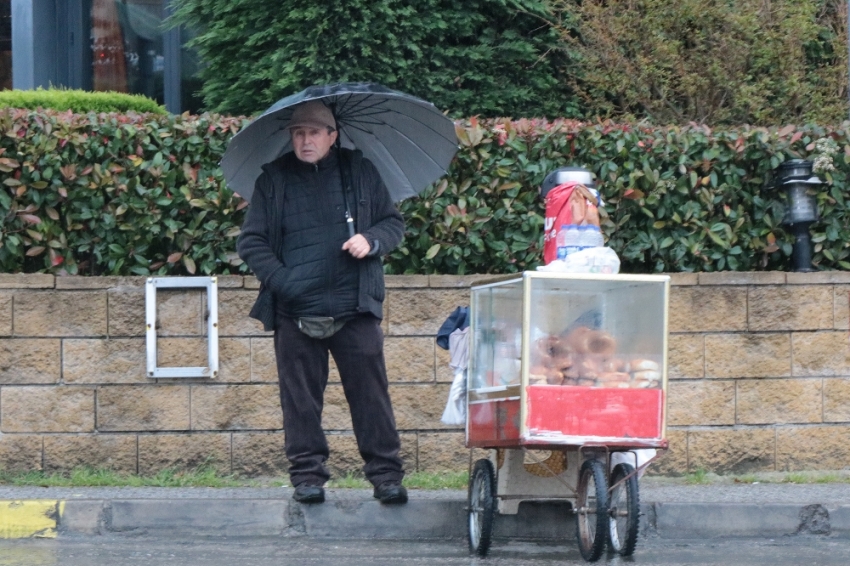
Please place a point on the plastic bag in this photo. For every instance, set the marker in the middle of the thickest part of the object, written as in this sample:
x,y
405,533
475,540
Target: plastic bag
x,y
588,260
567,204
455,412
636,458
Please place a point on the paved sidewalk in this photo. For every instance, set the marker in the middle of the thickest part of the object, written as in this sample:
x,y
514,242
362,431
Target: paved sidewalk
x,y
670,510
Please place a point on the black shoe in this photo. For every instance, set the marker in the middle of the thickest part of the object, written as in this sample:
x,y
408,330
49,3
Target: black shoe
x,y
391,493
309,494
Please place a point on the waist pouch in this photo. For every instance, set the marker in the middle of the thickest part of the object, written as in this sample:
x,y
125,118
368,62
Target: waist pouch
x,y
319,326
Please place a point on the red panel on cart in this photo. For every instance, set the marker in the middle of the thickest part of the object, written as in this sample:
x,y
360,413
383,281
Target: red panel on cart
x,y
595,411
494,423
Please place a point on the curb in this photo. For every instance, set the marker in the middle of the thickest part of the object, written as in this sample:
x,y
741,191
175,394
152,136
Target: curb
x,y
418,519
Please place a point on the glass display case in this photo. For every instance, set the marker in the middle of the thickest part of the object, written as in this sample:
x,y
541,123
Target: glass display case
x,y
568,358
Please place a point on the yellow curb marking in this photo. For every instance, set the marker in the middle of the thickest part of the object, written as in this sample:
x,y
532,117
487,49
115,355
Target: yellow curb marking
x,y
32,518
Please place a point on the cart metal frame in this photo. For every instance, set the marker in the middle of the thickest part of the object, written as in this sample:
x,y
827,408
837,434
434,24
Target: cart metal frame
x,y
588,460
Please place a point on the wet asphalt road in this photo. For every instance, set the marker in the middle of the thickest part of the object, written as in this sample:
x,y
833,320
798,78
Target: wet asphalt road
x,y
120,551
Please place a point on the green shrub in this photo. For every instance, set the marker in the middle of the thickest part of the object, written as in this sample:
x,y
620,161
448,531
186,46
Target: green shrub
x,y
709,61
116,194
468,57
676,199
79,101
137,194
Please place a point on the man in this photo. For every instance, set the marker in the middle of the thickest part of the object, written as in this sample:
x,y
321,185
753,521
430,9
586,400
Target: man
x,y
322,290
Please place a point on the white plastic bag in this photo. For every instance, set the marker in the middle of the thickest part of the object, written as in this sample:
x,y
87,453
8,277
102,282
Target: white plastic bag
x,y
455,412
636,458
588,260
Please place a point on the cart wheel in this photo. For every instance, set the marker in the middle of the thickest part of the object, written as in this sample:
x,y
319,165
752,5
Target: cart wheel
x,y
482,506
624,509
592,510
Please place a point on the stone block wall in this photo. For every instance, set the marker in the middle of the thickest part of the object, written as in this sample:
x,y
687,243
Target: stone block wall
x,y
759,376
759,372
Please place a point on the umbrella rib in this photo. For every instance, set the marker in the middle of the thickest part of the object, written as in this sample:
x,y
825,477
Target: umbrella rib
x,y
369,132
384,122
356,105
409,136
245,162
369,106
431,159
374,109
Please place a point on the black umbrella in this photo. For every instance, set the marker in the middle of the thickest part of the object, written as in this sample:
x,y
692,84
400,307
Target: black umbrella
x,y
409,141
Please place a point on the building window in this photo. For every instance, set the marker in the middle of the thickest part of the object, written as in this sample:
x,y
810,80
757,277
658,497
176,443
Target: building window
x,y
5,44
190,84
126,44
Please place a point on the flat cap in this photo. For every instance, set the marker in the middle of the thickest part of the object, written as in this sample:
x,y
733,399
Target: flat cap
x,y
312,114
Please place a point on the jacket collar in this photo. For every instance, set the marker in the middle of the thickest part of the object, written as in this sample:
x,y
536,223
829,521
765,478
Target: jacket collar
x,y
325,163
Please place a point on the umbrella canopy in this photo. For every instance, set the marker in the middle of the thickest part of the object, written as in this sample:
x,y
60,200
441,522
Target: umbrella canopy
x,y
409,141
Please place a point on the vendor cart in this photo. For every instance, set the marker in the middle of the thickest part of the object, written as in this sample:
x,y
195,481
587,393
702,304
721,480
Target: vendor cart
x,y
566,386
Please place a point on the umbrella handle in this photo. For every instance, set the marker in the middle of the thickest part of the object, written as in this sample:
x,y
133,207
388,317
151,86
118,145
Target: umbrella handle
x,y
349,221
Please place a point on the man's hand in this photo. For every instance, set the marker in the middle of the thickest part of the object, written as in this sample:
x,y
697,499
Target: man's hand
x,y
357,246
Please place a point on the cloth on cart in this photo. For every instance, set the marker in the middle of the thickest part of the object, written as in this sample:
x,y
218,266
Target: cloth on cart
x,y
459,348
589,260
459,319
455,411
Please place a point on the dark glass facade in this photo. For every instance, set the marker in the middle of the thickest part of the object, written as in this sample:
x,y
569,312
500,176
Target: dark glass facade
x,y
104,45
5,44
126,44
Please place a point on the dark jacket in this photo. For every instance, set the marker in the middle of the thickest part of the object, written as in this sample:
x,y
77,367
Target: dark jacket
x,y
323,278
261,242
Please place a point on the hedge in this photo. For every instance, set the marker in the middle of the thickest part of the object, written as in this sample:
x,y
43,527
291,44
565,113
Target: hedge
x,y
468,57
116,194
79,101
121,194
676,198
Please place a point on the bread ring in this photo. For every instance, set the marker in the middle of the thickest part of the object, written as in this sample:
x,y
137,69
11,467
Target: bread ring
x,y
589,367
614,377
552,346
537,374
601,343
579,339
561,348
650,375
613,364
643,365
554,377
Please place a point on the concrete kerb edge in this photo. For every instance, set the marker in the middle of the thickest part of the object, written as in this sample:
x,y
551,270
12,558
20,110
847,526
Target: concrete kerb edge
x,y
730,520
428,519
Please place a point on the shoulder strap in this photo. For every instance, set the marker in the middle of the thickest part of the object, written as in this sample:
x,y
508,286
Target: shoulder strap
x,y
351,160
275,170
349,163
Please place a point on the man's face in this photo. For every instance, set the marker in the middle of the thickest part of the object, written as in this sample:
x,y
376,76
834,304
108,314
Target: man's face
x,y
312,144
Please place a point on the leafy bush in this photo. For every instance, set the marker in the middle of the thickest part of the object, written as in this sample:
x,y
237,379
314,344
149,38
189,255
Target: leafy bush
x,y
468,57
115,194
710,61
79,101
676,199
670,61
142,194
